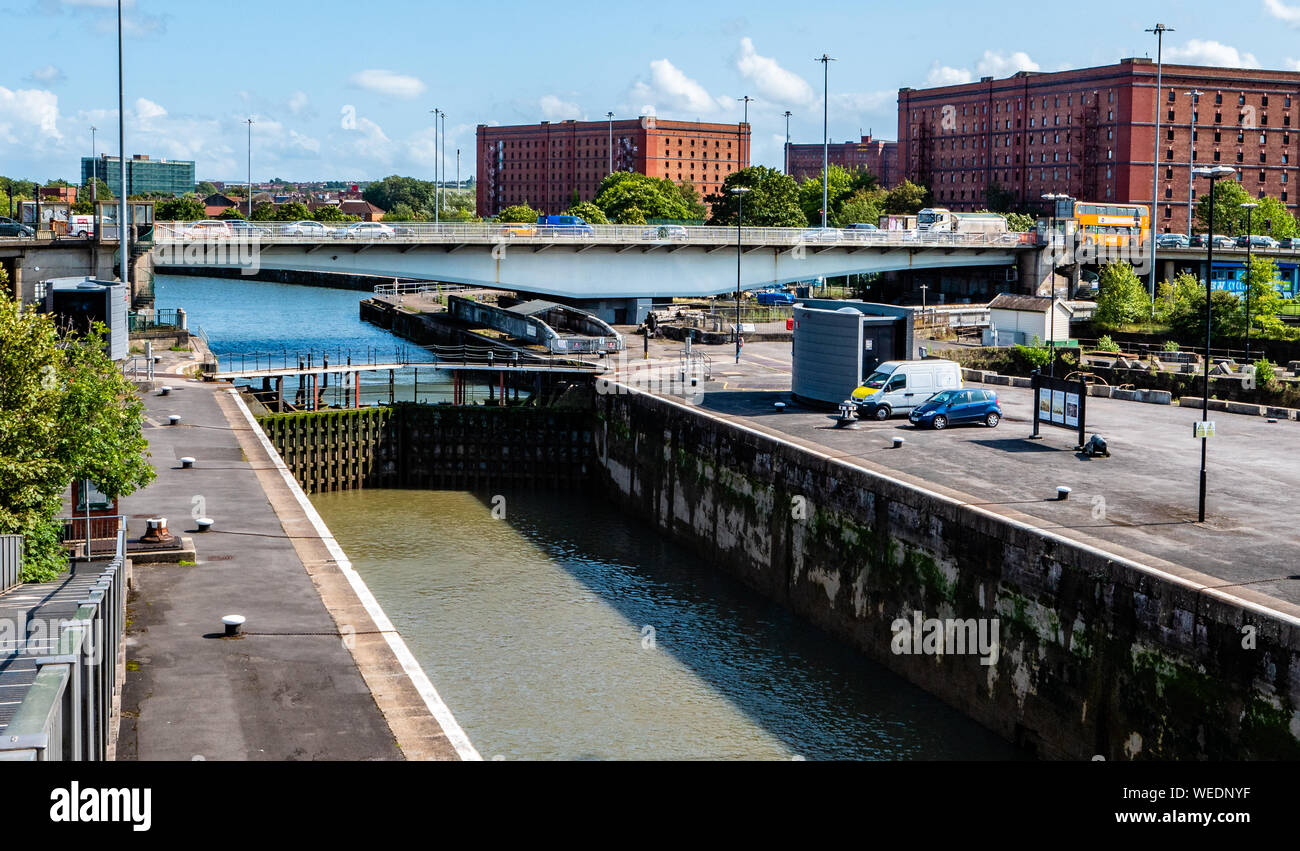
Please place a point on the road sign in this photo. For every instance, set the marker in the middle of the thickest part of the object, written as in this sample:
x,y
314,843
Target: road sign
x,y
1203,429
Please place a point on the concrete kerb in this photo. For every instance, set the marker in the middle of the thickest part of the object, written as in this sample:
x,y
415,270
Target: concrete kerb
x,y
419,679
1248,409
1151,397
1186,579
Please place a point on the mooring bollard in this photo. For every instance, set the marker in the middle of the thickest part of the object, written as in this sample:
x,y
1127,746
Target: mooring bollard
x,y
174,419
187,462
898,443
1063,492
204,523
234,623
165,390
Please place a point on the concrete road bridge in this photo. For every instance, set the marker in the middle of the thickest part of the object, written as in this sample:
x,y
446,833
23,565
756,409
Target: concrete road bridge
x,y
616,270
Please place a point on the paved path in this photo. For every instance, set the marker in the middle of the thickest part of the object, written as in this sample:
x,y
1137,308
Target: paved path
x,y
291,688
1140,503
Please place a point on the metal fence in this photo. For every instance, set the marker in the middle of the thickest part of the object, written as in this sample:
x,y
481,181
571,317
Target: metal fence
x,y
66,711
158,318
171,233
11,561
138,368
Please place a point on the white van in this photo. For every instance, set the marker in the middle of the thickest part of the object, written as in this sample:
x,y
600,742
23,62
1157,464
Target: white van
x,y
81,225
898,386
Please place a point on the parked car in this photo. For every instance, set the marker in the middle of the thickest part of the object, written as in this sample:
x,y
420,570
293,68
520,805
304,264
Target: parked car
x,y
862,230
9,227
1199,240
899,386
1289,242
367,230
954,407
307,227
1221,241
1256,241
514,229
1172,240
207,229
664,232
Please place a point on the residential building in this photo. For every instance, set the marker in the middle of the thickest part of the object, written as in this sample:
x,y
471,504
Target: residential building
x,y
550,165
1090,132
143,175
67,194
357,207
875,155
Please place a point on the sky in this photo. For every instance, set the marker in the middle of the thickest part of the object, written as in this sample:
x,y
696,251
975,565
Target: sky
x,y
345,90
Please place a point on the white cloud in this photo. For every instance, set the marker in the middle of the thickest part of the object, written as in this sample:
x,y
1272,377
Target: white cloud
x,y
1198,52
146,110
389,83
994,64
863,101
669,85
50,75
944,75
556,109
1283,12
373,143
29,116
297,102
770,80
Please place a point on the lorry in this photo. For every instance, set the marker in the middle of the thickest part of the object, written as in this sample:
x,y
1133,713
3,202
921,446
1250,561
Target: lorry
x,y
898,386
771,297
942,220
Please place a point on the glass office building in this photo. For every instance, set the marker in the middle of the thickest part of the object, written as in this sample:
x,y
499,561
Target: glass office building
x,y
143,175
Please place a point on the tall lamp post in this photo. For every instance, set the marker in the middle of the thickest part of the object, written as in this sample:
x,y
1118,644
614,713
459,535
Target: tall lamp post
x,y
249,122
1159,30
1213,174
826,139
740,131
1248,207
1191,161
1053,198
442,166
123,232
610,116
436,112
739,192
94,183
787,141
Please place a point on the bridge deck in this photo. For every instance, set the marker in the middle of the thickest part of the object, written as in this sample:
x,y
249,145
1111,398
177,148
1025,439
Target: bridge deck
x,y
496,365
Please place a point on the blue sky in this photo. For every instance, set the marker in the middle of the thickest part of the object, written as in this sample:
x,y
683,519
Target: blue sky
x,y
343,90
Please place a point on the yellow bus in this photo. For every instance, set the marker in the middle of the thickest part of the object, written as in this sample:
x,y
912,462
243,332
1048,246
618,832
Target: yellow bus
x,y
1111,224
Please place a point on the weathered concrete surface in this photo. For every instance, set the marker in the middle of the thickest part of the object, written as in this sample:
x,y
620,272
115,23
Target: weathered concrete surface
x,y
291,688
1100,654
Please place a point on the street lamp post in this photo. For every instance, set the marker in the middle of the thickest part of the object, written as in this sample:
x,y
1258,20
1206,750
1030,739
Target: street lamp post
x,y
1191,160
123,234
610,116
436,112
1159,30
740,131
826,139
1246,279
787,141
249,122
94,183
442,165
1052,198
1213,174
739,192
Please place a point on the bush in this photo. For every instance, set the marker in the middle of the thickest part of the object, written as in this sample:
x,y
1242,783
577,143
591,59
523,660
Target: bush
x,y
1170,346
1121,299
1106,344
1035,356
1265,373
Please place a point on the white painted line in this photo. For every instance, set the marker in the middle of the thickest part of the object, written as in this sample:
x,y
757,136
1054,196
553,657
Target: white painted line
x,y
419,679
1212,590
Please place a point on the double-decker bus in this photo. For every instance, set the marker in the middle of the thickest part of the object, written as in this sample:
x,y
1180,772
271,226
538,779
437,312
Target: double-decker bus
x,y
1107,224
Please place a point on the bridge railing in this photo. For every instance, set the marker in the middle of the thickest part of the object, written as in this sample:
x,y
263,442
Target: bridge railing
x,y
524,234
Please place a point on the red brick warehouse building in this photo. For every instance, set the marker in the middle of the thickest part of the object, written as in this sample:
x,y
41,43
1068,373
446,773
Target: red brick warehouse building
x,y
875,155
1089,133
544,164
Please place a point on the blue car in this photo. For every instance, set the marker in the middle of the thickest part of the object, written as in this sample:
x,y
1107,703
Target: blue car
x,y
564,226
954,407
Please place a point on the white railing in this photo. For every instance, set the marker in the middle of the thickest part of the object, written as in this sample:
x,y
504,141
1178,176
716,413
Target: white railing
x,y
813,239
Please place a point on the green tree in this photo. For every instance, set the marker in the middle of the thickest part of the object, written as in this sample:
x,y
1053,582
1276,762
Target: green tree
x,y
906,198
1020,222
999,198
331,214
865,205
630,216
1265,301
66,412
518,213
589,213
403,213
178,210
203,189
695,208
655,198
1270,217
231,213
838,188
773,199
84,204
263,212
1122,298
294,211
394,189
